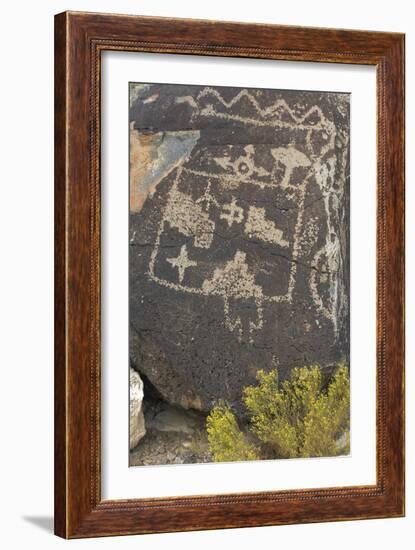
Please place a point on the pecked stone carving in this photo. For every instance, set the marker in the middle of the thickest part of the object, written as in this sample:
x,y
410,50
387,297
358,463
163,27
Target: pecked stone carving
x,y
239,236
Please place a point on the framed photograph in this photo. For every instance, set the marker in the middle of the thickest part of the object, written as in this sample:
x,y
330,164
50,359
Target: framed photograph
x,y
229,276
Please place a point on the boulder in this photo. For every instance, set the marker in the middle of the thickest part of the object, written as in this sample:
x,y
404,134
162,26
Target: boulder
x,y
137,424
239,237
173,419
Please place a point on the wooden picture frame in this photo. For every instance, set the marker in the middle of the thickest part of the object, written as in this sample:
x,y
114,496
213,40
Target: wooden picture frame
x,y
79,40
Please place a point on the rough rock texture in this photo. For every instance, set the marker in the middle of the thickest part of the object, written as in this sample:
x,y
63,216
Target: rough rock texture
x,y
173,436
239,236
137,424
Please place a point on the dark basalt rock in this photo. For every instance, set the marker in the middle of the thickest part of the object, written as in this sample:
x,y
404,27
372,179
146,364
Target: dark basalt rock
x,y
239,236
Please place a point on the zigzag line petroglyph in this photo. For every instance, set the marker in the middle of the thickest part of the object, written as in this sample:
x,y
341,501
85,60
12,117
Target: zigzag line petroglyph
x,y
209,111
271,110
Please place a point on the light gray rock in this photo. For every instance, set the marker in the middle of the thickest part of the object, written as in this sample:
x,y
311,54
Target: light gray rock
x,y
137,424
175,420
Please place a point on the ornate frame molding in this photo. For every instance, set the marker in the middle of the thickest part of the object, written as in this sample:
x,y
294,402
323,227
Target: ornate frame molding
x,y
79,40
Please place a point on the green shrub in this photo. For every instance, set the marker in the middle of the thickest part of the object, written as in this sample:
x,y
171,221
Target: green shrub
x,y
226,441
302,417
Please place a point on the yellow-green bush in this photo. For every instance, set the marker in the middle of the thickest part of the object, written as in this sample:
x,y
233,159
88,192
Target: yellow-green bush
x,y
226,441
303,416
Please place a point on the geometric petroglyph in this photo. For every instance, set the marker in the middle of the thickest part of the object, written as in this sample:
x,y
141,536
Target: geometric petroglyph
x,y
232,213
232,281
212,223
182,262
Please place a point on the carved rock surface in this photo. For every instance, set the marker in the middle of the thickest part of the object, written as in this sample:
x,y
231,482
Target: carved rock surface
x,y
137,424
239,236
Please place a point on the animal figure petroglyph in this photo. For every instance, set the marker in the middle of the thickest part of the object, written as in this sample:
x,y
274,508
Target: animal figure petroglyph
x,y
290,158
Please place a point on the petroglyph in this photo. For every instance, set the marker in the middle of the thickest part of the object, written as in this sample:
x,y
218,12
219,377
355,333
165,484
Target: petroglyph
x,y
207,198
234,281
191,216
186,99
184,214
243,167
273,115
239,222
151,99
328,261
182,262
232,213
290,158
258,227
309,236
